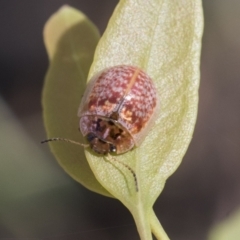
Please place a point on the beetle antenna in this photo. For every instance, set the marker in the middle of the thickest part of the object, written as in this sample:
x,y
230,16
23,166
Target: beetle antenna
x,y
65,140
128,167
109,156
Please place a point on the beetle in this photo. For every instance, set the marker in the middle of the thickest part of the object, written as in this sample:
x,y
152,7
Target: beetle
x,y
117,110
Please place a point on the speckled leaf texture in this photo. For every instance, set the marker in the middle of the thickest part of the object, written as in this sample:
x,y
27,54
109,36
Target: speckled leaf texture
x,y
164,39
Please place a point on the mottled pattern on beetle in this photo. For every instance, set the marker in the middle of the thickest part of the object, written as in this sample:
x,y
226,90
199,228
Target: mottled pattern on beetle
x,y
125,94
108,131
109,89
139,104
136,102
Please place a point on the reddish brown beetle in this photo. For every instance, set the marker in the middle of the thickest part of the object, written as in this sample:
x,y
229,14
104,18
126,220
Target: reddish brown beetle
x,y
117,110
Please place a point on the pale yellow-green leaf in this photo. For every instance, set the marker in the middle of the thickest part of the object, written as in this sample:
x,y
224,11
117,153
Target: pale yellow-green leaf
x,y
70,39
229,229
164,39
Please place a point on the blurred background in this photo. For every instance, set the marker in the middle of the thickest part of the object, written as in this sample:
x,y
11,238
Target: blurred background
x,y
38,200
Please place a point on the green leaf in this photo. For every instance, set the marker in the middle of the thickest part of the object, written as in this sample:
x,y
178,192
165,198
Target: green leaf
x,y
164,39
70,39
228,229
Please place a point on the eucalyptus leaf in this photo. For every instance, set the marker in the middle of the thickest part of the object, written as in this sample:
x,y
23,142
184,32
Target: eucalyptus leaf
x,y
70,39
164,39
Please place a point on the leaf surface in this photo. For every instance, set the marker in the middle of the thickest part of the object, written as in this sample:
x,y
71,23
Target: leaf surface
x,y
164,39
70,39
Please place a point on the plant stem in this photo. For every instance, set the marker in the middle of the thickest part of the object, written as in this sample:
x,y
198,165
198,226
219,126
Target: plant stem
x,y
142,223
157,228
